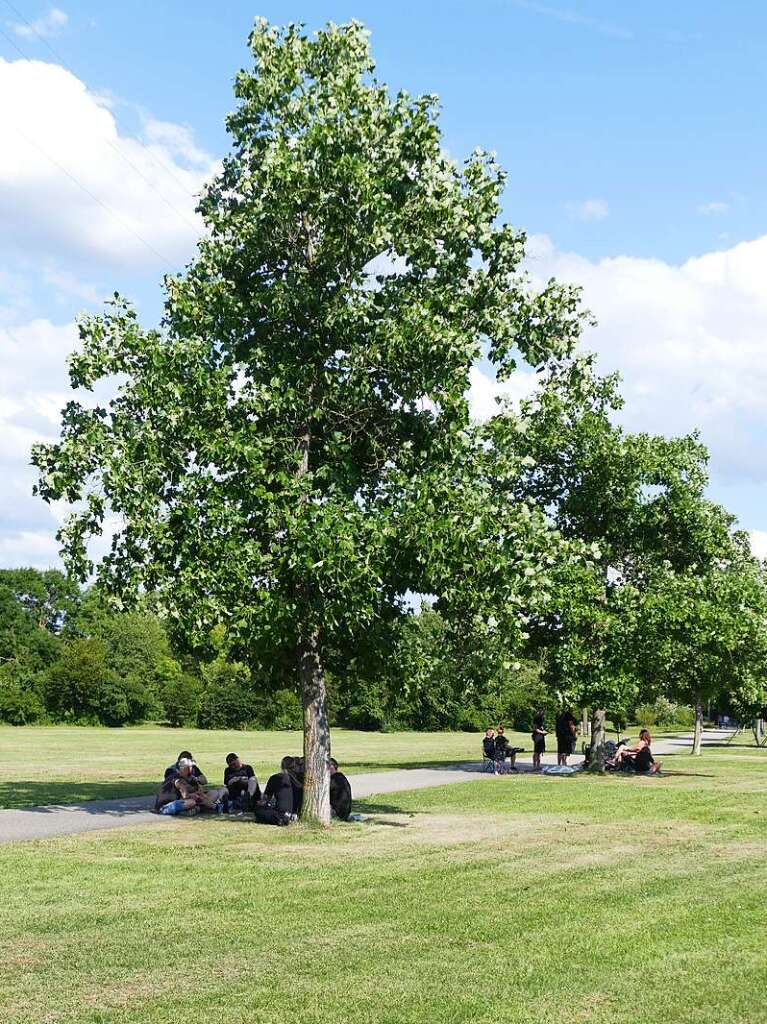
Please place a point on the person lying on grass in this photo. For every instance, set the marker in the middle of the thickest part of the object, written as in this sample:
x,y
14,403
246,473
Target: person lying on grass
x,y
182,791
639,757
241,783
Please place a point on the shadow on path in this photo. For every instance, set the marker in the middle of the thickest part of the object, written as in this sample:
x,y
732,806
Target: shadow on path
x,y
44,797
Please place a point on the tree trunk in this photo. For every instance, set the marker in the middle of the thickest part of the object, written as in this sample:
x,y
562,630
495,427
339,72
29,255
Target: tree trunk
x,y
316,803
697,739
585,727
598,739
316,806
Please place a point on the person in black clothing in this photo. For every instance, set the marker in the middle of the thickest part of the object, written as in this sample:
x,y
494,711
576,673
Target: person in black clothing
x,y
283,789
488,744
340,792
566,726
241,781
503,750
538,737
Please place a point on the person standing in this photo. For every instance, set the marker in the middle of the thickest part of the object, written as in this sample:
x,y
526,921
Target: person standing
x,y
566,727
538,737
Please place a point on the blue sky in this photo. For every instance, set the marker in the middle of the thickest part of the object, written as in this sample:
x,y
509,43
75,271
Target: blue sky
x,y
632,134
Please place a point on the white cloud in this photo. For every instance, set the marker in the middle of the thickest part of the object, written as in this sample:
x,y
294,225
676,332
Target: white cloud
x,y
714,207
484,391
570,17
49,25
758,539
588,209
690,341
73,186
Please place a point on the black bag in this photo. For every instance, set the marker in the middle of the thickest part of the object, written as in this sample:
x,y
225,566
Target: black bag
x,y
269,816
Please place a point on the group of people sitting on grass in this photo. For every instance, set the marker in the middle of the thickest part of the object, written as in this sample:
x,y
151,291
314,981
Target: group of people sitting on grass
x,y
496,749
185,790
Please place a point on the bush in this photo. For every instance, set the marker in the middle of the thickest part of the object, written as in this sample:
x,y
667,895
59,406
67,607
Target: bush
x,y
665,714
19,702
180,693
81,687
285,711
645,715
228,698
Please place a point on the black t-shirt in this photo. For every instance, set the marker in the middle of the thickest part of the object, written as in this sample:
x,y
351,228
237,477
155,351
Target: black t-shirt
x,y
340,795
501,744
564,724
488,745
245,771
643,760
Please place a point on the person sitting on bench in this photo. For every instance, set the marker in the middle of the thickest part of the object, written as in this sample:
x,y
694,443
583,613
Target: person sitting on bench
x,y
340,792
241,781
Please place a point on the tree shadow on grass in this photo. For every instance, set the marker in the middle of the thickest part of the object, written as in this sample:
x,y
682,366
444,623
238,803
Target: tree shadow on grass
x,y
41,794
376,807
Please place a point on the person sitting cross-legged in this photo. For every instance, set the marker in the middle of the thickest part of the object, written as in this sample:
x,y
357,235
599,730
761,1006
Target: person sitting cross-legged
x,y
241,781
182,791
283,790
340,792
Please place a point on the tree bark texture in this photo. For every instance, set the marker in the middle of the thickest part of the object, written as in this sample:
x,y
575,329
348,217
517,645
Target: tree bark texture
x,y
698,736
585,724
598,739
316,806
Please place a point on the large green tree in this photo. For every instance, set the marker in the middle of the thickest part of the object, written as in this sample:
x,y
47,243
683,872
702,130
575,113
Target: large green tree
x,y
287,454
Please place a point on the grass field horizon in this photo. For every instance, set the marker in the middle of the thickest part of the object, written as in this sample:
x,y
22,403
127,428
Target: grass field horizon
x,y
55,764
70,764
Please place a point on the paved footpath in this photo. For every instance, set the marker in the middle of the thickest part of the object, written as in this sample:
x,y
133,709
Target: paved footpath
x,y
66,819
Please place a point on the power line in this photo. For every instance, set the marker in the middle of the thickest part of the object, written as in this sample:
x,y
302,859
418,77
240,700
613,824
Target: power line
x,y
58,57
182,216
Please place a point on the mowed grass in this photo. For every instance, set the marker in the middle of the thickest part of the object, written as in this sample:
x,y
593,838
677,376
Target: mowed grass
x,y
40,765
520,899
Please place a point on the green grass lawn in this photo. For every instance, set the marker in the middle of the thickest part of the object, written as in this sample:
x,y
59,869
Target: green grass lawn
x,y
40,765
515,899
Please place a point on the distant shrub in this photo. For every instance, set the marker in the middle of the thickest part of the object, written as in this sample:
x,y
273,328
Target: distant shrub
x,y
665,714
285,711
180,693
20,704
227,701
